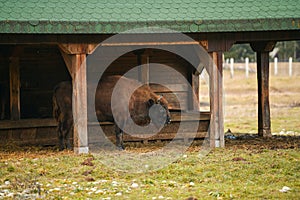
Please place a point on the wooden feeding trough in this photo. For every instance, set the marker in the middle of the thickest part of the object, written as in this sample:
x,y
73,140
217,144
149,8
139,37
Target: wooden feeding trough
x,y
190,121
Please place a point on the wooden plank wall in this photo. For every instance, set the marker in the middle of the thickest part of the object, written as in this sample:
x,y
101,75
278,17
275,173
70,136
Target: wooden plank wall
x,y
41,68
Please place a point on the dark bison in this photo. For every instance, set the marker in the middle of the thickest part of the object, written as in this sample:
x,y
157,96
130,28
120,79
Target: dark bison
x,y
132,102
62,112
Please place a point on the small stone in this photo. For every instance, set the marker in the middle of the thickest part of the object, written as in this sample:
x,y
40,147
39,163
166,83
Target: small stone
x,y
285,189
184,156
134,185
99,192
119,194
26,191
114,183
192,183
161,197
57,189
290,133
96,182
7,182
93,189
10,195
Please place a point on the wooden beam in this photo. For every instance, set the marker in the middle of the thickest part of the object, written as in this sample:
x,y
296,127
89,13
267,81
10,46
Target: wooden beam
x,y
148,43
263,46
217,43
143,67
216,129
196,92
79,103
14,76
264,117
69,59
190,92
74,56
73,48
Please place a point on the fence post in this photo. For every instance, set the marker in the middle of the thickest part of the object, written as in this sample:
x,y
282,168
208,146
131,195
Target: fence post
x,y
247,67
290,66
231,67
275,66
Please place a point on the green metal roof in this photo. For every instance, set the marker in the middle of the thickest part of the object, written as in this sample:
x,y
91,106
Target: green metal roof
x,y
115,16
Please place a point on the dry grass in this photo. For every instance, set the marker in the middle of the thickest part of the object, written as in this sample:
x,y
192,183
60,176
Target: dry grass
x,y
246,169
240,100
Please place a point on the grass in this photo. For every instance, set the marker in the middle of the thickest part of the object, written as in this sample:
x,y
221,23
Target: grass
x,y
238,172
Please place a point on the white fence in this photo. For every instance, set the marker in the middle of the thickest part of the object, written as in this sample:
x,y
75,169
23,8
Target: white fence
x,y
276,68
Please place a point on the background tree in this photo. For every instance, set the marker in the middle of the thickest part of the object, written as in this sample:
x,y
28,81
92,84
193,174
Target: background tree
x,y
284,50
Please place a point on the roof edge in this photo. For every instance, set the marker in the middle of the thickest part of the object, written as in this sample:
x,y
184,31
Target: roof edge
x,y
187,26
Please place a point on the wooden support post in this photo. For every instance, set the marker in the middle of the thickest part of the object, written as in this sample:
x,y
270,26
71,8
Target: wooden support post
x,y
80,103
190,98
75,59
264,118
217,45
196,93
143,68
216,129
14,76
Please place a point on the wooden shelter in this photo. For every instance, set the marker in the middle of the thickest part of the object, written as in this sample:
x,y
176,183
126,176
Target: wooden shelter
x,y
37,39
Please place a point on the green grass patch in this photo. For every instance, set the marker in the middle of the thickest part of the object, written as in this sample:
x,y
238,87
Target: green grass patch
x,y
232,173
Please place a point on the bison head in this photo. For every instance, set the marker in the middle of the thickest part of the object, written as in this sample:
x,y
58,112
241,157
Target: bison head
x,y
158,111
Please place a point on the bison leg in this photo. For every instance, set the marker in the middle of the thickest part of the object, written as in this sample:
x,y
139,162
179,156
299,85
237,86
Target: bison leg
x,y
60,137
67,138
119,138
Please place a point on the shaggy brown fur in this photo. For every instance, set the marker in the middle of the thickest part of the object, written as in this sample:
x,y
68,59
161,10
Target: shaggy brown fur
x,y
62,112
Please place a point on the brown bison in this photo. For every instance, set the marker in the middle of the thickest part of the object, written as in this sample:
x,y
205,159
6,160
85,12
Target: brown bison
x,y
62,112
132,102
